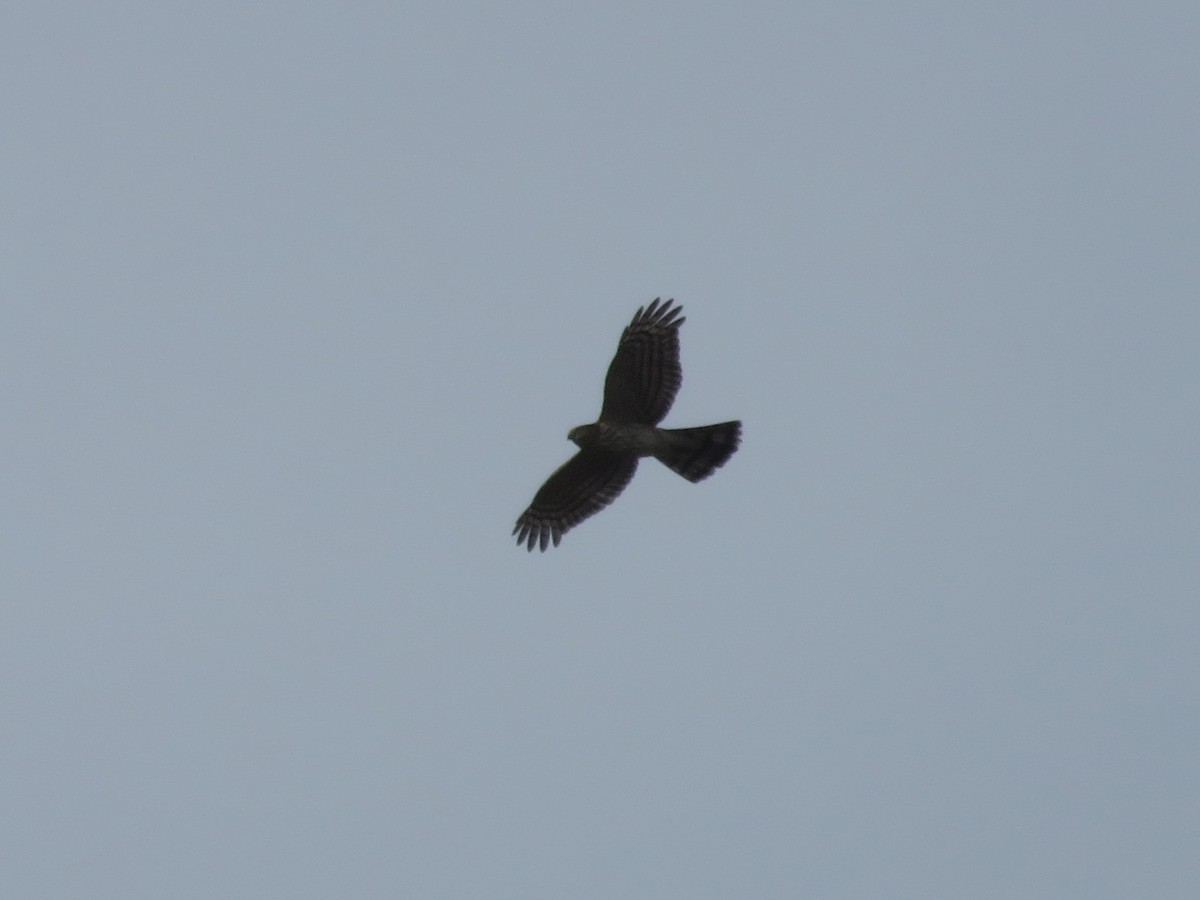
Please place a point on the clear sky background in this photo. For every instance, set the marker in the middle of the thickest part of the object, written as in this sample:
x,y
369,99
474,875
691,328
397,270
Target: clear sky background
x,y
299,301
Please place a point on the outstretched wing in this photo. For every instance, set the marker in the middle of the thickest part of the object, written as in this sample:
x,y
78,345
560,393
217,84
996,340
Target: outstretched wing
x,y
645,374
581,487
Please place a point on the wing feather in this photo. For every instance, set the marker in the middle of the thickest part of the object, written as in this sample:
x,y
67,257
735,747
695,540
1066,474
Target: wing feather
x,y
581,487
645,374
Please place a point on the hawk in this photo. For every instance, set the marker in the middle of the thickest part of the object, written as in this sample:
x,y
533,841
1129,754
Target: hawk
x,y
642,381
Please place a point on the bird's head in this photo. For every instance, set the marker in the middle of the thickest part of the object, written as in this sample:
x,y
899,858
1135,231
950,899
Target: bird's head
x,y
579,434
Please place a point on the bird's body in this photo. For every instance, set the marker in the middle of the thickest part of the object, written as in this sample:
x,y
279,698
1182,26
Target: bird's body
x,y
641,385
618,437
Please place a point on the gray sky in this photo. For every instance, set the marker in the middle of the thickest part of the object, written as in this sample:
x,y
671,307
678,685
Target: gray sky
x,y
300,300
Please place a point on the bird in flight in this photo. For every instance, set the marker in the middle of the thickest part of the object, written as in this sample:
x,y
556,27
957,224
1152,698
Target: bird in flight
x,y
642,381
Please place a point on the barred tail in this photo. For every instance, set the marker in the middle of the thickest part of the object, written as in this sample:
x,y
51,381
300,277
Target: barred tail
x,y
695,453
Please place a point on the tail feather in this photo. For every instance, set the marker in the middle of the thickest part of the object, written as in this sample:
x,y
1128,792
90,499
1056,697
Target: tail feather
x,y
695,453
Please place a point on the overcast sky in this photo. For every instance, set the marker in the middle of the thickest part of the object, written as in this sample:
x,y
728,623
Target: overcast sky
x,y
299,301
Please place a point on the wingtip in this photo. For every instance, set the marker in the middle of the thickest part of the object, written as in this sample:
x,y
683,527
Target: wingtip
x,y
660,313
